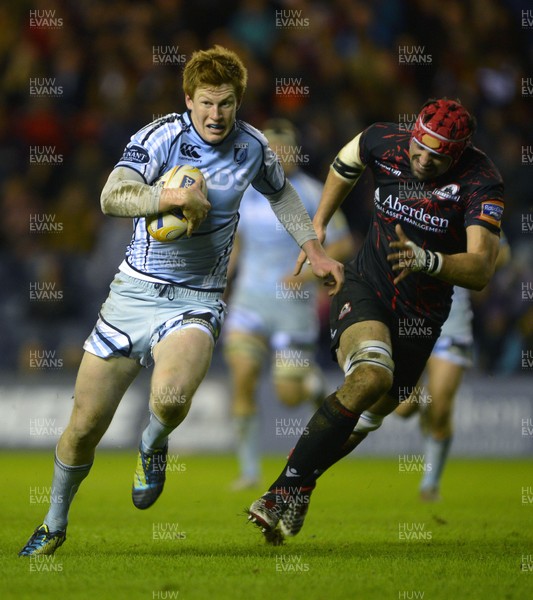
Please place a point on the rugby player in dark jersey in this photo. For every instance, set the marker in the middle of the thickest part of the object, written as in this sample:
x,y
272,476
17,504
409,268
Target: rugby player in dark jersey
x,y
438,206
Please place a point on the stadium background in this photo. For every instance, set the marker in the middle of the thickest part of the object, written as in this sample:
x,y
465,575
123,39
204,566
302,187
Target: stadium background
x,y
78,78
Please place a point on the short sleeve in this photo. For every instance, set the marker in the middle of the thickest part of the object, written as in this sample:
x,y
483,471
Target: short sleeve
x,y
370,138
485,207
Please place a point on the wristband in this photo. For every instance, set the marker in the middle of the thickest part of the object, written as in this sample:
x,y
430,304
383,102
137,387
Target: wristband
x,y
433,263
425,261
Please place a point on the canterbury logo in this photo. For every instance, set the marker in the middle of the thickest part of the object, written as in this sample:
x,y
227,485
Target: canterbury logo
x,y
190,151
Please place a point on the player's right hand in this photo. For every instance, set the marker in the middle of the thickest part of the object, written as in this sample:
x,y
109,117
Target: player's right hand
x,y
191,201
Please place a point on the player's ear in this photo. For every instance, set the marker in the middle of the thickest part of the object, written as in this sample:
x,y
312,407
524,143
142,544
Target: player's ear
x,y
188,102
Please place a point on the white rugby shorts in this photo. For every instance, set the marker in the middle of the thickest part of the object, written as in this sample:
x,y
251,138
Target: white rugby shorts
x,y
138,314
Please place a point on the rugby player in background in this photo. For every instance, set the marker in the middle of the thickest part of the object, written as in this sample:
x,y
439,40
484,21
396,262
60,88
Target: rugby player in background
x,y
272,311
436,223
451,356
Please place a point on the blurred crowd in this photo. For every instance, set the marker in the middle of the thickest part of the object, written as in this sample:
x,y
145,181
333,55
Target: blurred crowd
x,y
79,77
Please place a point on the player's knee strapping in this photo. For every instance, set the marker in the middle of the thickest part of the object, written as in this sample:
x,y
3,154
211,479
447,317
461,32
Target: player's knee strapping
x,y
375,353
371,352
249,346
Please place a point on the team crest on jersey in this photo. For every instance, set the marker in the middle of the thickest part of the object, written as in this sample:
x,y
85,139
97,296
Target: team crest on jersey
x,y
240,152
347,308
448,192
135,154
492,212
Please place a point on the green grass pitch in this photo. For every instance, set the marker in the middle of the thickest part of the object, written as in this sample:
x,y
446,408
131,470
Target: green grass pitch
x,y
367,536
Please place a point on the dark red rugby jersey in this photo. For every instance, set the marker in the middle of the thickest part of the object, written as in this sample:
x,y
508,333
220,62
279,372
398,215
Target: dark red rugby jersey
x,y
434,214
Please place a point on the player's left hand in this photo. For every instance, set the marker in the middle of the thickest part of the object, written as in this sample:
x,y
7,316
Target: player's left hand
x,y
331,271
408,256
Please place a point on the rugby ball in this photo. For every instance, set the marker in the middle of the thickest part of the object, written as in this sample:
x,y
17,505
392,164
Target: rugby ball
x,y
170,226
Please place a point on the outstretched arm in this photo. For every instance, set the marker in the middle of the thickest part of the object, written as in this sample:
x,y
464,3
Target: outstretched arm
x,y
343,175
290,211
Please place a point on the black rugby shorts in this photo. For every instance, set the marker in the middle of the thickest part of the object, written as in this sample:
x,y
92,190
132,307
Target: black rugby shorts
x,y
412,337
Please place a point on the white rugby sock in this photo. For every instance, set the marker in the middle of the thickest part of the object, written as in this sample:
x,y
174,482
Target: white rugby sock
x,y
248,445
436,452
155,436
65,484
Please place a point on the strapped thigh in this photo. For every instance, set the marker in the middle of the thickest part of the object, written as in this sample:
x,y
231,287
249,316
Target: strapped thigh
x,y
371,352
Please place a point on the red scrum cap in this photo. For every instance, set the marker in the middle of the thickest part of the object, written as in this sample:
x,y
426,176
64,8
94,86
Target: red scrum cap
x,y
444,127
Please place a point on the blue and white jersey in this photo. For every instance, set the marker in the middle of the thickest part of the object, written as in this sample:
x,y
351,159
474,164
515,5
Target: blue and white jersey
x,y
229,167
267,253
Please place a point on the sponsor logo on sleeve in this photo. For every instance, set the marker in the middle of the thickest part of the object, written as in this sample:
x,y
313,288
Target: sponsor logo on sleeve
x,y
135,154
492,212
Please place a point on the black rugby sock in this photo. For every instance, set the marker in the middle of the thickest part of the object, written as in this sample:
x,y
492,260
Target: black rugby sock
x,y
318,448
350,444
